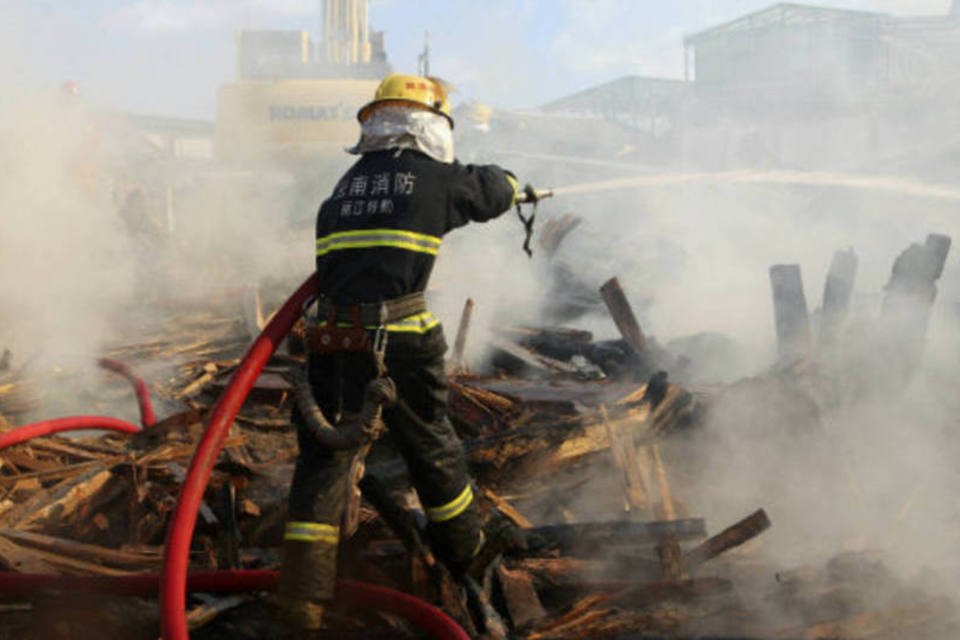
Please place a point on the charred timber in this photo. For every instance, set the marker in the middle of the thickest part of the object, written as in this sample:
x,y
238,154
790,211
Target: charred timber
x,y
623,316
589,536
734,536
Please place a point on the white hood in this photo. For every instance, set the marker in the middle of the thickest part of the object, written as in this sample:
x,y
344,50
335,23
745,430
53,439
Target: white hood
x,y
398,127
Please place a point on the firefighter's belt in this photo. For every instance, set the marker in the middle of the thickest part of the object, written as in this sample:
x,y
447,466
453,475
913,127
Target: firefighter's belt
x,y
374,314
346,328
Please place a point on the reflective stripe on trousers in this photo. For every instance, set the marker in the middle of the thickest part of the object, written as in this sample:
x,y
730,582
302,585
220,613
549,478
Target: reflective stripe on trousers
x,y
452,509
312,532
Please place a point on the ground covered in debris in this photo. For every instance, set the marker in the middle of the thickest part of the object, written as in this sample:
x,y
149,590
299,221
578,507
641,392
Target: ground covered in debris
x,y
589,460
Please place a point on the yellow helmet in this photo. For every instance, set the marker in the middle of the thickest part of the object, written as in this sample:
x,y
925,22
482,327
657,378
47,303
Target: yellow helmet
x,y
418,91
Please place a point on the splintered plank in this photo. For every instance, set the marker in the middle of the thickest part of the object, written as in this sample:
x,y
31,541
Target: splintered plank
x,y
547,447
67,497
501,449
625,457
666,509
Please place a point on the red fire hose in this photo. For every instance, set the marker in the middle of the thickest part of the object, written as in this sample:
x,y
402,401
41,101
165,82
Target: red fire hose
x,y
147,417
422,614
58,425
80,423
173,579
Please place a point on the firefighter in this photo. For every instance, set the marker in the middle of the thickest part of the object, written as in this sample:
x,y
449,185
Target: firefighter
x,y
377,237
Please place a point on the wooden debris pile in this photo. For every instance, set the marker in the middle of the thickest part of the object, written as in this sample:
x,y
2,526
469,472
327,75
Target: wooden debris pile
x,y
592,532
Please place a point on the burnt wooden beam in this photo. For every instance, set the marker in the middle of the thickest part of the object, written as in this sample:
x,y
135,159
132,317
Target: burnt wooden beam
x,y
595,535
837,291
623,316
790,311
908,303
733,536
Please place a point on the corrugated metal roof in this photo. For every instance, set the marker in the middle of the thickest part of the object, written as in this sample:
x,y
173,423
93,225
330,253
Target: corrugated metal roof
x,y
783,13
631,88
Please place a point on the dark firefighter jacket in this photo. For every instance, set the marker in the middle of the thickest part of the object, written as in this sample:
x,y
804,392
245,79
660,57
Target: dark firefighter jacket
x,y
378,234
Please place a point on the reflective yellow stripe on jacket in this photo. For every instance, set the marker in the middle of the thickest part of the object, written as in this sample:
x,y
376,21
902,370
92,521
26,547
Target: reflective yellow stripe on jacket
x,y
312,532
453,508
370,238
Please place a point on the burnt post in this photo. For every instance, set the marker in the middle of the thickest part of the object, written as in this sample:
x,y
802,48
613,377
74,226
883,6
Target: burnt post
x,y
623,316
790,311
733,536
837,292
460,344
908,302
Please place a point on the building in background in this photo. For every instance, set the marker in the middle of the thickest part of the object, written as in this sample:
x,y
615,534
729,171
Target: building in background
x,y
804,60
638,102
789,55
793,85
294,98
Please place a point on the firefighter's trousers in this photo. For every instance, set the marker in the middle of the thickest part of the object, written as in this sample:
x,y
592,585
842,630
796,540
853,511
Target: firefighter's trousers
x,y
431,448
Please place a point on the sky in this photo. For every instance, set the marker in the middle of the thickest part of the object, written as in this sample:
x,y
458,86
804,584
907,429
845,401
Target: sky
x,y
167,57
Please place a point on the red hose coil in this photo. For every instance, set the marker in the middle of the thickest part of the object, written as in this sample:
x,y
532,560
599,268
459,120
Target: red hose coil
x,y
422,614
59,425
173,578
147,417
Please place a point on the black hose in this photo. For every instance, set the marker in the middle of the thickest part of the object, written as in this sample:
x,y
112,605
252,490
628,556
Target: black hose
x,y
350,431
